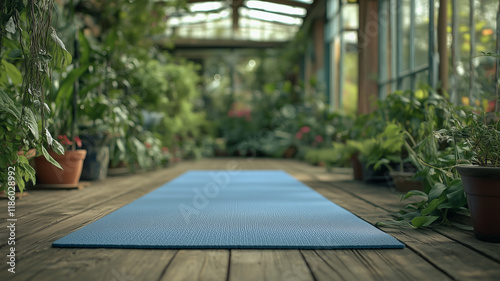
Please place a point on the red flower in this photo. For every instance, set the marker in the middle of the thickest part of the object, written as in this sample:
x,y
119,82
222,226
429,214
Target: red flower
x,y
147,144
78,141
305,129
491,106
64,140
298,135
319,138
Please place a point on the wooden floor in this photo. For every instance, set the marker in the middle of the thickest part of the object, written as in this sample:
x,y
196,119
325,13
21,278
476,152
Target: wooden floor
x,y
442,253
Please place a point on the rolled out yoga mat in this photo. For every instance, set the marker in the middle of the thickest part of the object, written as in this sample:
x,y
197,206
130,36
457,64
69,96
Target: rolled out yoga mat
x,y
266,209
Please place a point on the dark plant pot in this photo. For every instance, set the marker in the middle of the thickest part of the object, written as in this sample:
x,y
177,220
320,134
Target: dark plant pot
x,y
482,186
290,152
357,167
71,162
372,175
95,166
404,181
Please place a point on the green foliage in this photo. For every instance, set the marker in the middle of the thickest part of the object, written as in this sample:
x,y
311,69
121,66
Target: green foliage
x,y
329,157
443,195
29,50
383,149
480,136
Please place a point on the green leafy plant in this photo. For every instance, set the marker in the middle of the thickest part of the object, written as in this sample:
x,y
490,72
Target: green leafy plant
x,y
443,196
480,135
29,51
383,149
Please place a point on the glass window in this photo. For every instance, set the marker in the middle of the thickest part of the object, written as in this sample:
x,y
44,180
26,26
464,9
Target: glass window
x,y
421,41
405,36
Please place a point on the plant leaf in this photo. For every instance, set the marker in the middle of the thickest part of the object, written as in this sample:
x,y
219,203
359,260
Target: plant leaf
x,y
57,147
32,123
14,73
10,26
49,158
62,58
433,205
436,191
423,221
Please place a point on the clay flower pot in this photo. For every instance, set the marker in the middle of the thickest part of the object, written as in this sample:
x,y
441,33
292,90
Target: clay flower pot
x,y
71,162
482,186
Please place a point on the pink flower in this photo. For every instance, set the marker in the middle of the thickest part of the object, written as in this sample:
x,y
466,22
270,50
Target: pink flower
x,y
318,138
78,141
64,140
305,129
147,144
298,135
491,106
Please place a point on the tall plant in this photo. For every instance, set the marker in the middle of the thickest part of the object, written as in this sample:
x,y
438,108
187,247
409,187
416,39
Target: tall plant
x,y
29,51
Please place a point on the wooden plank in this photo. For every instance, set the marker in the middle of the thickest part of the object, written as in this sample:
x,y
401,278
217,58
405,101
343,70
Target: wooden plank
x,y
201,265
18,195
79,185
389,264
492,250
94,264
272,265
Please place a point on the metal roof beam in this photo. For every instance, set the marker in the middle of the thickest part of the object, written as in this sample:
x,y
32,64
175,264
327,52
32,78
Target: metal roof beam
x,y
283,2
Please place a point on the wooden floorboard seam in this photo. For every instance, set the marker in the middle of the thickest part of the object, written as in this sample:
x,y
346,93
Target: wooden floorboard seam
x,y
229,265
468,246
167,265
308,265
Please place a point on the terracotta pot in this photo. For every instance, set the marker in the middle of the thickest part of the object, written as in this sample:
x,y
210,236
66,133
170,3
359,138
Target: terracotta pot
x,y
482,186
357,168
71,162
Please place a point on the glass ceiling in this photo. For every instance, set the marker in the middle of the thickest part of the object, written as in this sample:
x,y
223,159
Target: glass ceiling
x,y
252,20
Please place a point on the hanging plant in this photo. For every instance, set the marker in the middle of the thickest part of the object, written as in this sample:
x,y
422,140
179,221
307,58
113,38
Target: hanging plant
x,y
29,51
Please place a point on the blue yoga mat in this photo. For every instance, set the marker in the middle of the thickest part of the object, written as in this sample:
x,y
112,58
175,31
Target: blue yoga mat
x,y
231,209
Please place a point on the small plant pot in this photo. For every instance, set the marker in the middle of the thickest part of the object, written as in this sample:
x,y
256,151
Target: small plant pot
x,y
482,186
95,165
372,175
404,181
357,167
71,162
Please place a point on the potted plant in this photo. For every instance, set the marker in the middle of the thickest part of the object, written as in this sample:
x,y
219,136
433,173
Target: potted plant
x,y
378,153
71,163
479,167
23,94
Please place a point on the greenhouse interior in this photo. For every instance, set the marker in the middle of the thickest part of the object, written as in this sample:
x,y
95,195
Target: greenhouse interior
x,y
250,140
